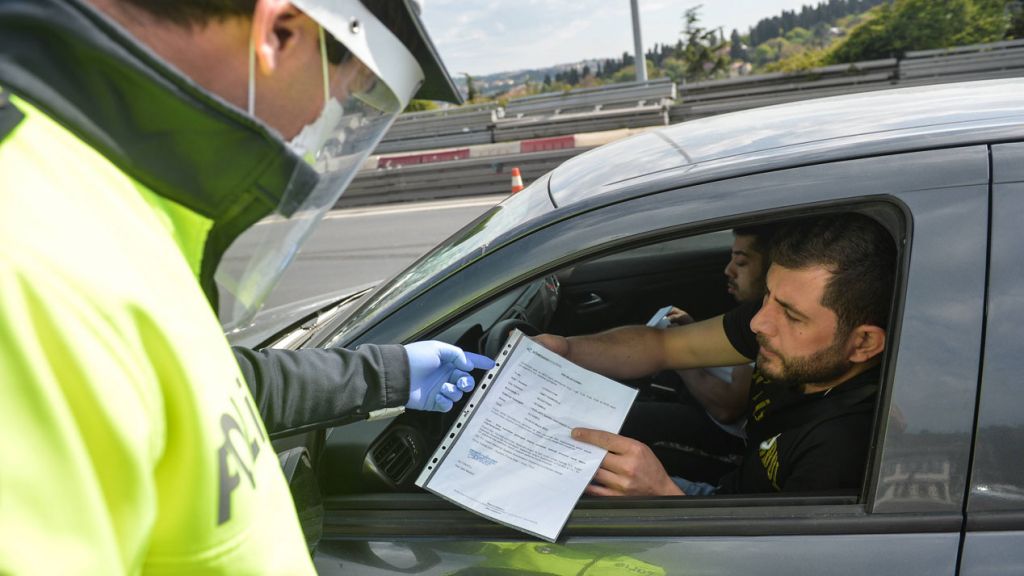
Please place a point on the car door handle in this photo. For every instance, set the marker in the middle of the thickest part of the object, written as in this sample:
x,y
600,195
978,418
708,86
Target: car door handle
x,y
590,302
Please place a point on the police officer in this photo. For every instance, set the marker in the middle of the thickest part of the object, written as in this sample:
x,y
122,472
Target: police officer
x,y
138,140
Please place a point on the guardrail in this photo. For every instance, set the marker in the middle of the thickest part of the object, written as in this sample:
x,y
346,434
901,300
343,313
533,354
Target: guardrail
x,y
712,97
447,173
656,92
608,107
512,129
471,177
977,61
455,126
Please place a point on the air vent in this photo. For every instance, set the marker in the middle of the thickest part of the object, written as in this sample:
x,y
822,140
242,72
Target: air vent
x,y
395,457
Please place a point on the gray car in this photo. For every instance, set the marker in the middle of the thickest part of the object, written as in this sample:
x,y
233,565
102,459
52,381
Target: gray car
x,y
614,234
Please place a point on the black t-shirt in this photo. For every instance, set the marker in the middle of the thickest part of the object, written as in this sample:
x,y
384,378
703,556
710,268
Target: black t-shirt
x,y
764,395
799,442
737,328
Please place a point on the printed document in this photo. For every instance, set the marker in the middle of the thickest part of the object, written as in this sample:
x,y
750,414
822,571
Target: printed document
x,y
660,320
509,456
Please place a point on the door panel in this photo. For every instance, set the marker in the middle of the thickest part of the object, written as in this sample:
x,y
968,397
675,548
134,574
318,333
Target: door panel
x,y
995,507
993,554
813,556
997,478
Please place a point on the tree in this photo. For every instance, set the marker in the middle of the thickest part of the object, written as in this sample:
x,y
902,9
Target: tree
x,y
703,52
471,92
908,25
736,49
547,80
809,17
1016,28
799,35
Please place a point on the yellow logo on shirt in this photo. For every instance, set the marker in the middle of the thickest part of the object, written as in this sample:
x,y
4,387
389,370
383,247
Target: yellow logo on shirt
x,y
770,459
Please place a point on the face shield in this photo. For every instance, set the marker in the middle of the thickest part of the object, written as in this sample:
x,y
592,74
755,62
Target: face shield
x,y
369,78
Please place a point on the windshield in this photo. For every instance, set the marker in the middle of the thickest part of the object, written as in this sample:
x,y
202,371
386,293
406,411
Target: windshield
x,y
463,247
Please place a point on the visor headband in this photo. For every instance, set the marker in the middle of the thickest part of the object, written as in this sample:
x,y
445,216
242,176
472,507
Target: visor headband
x,y
369,40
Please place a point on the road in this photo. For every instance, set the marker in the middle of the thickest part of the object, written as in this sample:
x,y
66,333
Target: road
x,y
359,245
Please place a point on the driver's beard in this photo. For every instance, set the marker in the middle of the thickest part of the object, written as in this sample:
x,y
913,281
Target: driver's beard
x,y
818,368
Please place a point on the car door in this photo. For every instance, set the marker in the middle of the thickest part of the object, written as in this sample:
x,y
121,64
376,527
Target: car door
x,y
627,288
994,540
909,515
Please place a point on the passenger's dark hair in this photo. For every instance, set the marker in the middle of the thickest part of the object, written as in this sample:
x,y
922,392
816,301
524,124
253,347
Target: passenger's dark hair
x,y
762,234
861,256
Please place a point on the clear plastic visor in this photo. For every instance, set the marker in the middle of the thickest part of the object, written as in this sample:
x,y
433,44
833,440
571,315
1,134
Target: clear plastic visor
x,y
359,108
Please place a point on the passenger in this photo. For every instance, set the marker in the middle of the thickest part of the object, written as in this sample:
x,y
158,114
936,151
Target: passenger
x,y
699,435
818,335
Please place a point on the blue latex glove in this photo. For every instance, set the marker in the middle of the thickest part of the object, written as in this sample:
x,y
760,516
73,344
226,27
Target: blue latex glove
x,y
439,374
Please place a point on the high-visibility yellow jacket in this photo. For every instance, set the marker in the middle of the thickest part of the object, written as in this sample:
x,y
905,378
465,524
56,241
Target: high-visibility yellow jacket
x,y
526,558
131,442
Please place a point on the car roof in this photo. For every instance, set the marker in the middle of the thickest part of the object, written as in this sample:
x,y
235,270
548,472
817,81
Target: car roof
x,y
794,134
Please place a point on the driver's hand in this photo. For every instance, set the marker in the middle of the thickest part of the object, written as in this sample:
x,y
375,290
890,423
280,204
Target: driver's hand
x,y
629,469
557,344
439,374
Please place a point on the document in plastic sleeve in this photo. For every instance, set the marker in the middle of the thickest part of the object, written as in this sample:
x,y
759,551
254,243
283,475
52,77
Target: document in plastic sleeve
x,y
509,456
660,318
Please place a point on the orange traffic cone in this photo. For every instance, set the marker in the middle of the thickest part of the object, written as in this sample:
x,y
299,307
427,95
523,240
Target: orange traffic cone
x,y
517,180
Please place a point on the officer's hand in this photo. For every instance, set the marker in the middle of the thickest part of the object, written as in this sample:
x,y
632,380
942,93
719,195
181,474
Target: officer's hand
x,y
629,468
439,374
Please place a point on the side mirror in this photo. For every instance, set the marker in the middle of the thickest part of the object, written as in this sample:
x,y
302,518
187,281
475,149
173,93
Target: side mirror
x,y
309,505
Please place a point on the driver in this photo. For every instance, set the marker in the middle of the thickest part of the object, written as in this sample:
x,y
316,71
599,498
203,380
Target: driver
x,y
818,337
138,140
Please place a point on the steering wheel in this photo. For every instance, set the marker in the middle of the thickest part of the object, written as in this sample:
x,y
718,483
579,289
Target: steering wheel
x,y
499,333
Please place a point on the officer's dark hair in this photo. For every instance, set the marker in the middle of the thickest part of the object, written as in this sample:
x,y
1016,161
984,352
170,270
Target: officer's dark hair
x,y
193,12
861,256
199,12
762,234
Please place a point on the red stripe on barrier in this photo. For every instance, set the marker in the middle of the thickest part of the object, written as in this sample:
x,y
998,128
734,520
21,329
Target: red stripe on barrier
x,y
413,159
541,144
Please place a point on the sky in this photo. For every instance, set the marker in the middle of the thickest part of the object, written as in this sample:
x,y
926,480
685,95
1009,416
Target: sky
x,y
481,37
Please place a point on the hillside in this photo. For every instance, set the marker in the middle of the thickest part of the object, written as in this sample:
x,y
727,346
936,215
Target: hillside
x,y
832,32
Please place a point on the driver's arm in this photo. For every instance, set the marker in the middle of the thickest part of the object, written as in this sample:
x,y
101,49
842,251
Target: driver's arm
x,y
636,351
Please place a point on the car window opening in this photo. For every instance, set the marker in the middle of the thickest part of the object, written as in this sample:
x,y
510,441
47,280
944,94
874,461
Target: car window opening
x,y
703,446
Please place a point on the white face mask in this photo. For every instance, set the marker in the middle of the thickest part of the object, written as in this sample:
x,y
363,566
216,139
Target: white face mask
x,y
309,141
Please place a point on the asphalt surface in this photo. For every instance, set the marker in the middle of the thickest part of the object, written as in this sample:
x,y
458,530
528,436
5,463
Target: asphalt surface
x,y
355,246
